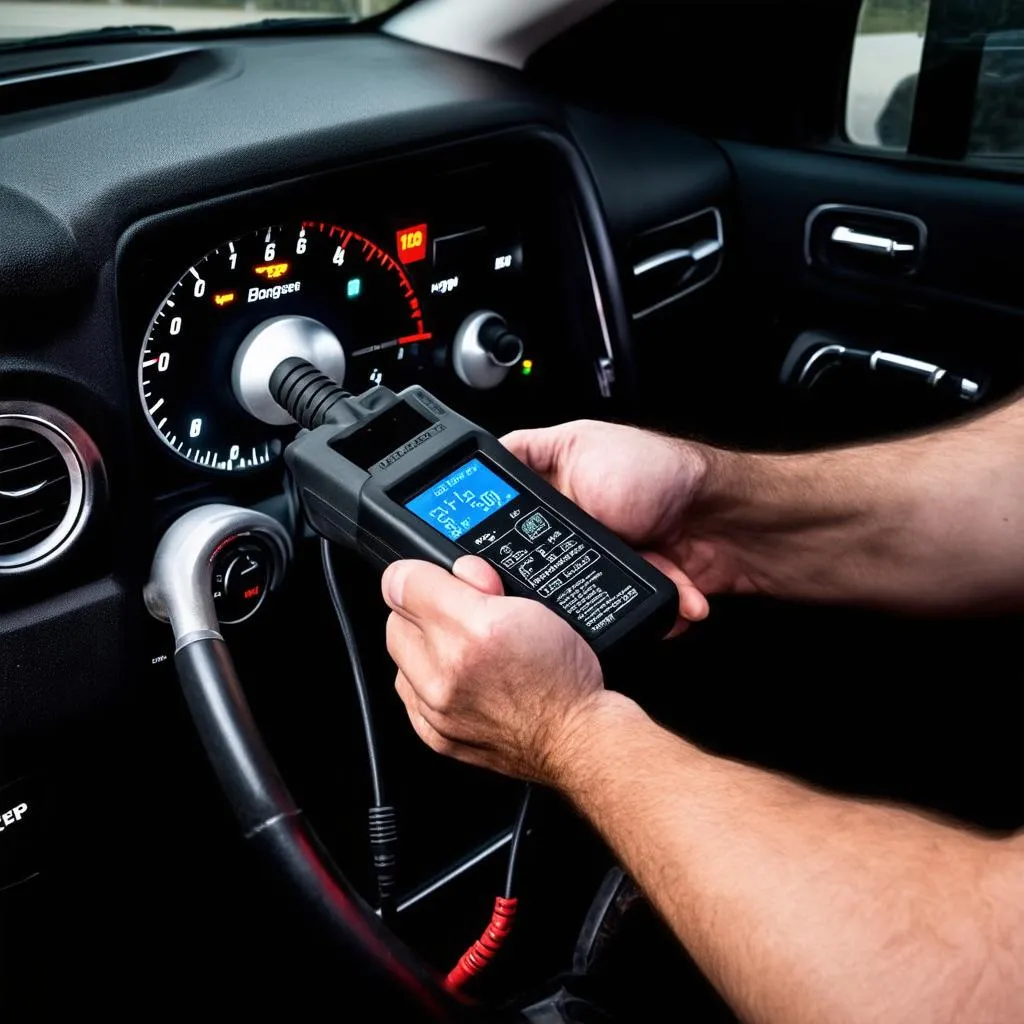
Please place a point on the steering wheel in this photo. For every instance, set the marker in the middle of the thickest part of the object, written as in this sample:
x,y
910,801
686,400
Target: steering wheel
x,y
180,592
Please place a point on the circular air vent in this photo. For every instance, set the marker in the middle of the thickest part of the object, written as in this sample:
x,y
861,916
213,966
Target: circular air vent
x,y
48,474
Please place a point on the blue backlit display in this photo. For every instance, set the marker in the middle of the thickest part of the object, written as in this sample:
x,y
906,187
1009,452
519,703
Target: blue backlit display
x,y
462,500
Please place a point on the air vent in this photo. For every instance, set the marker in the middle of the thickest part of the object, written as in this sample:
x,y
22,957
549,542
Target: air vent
x,y
674,260
49,469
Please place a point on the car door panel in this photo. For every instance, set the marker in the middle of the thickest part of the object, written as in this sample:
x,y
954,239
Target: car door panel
x,y
863,701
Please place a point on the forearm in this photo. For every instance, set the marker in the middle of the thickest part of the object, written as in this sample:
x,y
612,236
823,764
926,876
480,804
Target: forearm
x,y
799,906
930,523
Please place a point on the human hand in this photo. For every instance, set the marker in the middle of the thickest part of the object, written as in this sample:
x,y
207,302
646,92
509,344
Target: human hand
x,y
499,682
642,486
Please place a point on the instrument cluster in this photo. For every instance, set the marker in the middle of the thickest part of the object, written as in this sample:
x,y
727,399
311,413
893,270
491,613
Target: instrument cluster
x,y
394,304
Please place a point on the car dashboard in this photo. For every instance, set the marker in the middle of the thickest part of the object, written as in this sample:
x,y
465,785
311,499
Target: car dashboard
x,y
152,233
644,241
394,266
167,209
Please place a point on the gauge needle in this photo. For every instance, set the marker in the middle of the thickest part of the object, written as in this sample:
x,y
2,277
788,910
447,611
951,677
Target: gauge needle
x,y
249,568
374,348
407,339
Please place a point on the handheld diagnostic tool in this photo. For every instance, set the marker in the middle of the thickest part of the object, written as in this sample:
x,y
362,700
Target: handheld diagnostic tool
x,y
403,476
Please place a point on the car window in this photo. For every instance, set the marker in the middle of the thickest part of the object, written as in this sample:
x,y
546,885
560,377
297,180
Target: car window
x,y
938,77
29,19
997,128
887,53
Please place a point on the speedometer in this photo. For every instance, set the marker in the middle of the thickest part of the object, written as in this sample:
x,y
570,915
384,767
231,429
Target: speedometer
x,y
327,276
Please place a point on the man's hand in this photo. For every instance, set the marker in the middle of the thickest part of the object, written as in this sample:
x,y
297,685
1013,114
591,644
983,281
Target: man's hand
x,y
499,682
797,905
919,524
642,486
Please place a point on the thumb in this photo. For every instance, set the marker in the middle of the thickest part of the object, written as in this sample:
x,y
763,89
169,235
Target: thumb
x,y
479,574
693,605
539,449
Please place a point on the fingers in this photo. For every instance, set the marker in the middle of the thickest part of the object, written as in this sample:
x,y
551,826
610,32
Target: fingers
x,y
693,605
479,574
426,615
431,597
419,718
406,643
408,649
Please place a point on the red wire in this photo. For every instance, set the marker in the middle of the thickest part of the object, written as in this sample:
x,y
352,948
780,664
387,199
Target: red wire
x,y
486,948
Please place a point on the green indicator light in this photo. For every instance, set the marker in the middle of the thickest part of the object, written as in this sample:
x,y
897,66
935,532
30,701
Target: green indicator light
x,y
355,286
526,367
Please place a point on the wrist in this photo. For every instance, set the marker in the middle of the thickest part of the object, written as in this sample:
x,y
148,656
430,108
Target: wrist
x,y
721,544
775,522
581,748
718,484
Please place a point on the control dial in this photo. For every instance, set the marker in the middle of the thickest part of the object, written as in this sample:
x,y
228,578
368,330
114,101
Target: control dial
x,y
485,350
241,577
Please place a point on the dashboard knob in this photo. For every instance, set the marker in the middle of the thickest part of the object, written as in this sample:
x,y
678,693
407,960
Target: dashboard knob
x,y
485,350
504,347
241,574
266,346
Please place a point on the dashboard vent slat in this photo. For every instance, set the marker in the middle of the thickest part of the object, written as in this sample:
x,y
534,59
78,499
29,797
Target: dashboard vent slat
x,y
16,444
17,522
24,540
35,488
46,484
673,260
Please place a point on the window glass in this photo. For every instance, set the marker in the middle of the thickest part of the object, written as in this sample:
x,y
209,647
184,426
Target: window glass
x,y
886,60
973,55
30,19
997,128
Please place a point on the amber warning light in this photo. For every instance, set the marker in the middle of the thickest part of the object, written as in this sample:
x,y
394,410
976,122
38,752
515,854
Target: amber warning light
x,y
272,270
224,298
412,243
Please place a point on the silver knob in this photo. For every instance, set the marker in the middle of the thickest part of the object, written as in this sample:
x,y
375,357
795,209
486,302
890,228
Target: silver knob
x,y
266,346
180,589
485,350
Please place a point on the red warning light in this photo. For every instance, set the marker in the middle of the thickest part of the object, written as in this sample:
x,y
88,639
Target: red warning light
x,y
412,243
251,593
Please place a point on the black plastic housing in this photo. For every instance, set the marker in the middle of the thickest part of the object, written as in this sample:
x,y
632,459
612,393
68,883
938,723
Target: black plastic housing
x,y
354,479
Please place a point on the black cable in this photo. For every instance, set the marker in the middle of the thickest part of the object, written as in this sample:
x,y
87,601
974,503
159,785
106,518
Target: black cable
x,y
383,823
348,634
518,831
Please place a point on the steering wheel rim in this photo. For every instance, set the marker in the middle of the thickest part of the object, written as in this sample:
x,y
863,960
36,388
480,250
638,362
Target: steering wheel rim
x,y
180,592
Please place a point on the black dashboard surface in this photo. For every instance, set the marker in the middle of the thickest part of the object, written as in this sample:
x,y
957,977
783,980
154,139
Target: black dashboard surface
x,y
261,111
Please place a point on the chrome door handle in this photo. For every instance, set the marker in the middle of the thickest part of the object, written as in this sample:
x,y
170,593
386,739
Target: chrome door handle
x,y
697,253
869,243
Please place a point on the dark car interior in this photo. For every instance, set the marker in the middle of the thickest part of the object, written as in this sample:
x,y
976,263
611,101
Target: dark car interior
x,y
663,204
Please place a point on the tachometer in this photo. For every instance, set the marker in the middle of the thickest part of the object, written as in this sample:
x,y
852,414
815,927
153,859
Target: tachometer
x,y
333,278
